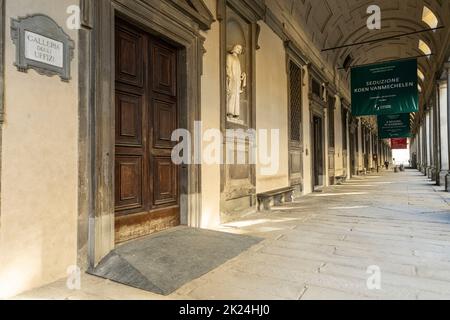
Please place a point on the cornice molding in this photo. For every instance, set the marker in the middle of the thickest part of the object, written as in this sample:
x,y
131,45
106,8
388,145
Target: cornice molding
x,y
87,13
254,10
293,50
276,25
197,10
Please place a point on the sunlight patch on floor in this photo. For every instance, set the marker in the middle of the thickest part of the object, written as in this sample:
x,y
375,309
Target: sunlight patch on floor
x,y
357,185
349,208
340,194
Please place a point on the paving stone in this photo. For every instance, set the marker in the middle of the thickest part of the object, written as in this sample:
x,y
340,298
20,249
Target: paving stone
x,y
410,283
318,293
362,261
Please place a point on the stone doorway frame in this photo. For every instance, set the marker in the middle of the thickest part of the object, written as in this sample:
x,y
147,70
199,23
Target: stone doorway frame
x,y
96,234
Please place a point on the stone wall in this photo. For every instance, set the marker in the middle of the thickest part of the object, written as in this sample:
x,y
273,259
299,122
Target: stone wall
x,y
38,233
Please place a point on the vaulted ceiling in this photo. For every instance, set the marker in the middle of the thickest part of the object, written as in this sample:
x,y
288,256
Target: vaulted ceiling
x,y
333,23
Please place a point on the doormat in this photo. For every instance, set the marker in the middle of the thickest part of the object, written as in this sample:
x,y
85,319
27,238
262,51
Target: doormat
x,y
164,262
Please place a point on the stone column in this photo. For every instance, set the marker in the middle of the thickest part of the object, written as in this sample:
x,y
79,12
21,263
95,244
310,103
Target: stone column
x,y
370,151
448,122
412,150
434,164
431,142
307,139
326,172
416,148
364,147
437,137
425,146
377,150
420,148
338,138
349,155
448,108
443,132
360,163
428,144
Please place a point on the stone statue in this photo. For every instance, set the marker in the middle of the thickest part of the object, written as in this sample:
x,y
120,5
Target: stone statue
x,y
236,82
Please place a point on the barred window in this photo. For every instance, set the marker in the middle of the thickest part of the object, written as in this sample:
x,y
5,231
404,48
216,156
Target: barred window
x,y
295,103
316,88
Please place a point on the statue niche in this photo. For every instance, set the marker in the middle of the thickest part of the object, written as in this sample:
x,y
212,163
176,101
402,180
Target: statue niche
x,y
236,82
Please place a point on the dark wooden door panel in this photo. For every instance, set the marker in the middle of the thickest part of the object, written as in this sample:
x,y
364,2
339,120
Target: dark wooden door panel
x,y
129,56
164,72
164,123
129,117
129,186
165,190
146,180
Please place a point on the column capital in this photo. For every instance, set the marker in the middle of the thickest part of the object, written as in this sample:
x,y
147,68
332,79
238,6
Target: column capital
x,y
306,66
442,84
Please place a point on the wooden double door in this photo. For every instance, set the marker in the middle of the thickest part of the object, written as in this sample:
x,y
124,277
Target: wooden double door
x,y
146,114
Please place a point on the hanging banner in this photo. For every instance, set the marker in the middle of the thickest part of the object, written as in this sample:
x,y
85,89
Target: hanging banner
x,y
386,88
399,144
394,126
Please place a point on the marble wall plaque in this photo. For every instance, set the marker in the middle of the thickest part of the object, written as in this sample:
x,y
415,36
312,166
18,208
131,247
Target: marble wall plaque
x,y
42,45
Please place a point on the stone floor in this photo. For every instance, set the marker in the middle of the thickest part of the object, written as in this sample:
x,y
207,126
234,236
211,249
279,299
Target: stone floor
x,y
323,246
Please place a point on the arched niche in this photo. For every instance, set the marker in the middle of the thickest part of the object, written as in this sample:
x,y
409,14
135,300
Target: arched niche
x,y
238,25
238,33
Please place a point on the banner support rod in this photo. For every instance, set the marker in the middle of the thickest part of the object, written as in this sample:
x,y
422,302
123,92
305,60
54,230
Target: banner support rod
x,y
383,39
386,61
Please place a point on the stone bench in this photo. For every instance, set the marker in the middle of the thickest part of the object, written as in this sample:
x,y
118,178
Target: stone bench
x,y
362,172
274,198
340,179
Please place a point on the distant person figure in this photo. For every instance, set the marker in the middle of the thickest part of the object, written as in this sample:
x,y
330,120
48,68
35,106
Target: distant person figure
x,y
386,164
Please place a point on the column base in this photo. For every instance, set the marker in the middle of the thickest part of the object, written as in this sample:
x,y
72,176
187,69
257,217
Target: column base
x,y
447,182
421,168
442,177
429,173
434,174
